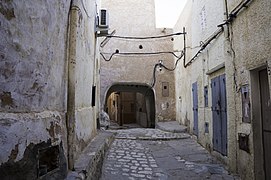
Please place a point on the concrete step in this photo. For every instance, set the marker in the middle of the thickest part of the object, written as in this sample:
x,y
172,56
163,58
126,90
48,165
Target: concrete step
x,y
171,126
89,164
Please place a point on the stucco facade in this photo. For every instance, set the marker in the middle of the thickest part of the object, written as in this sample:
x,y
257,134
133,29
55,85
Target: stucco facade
x,y
234,46
48,65
137,19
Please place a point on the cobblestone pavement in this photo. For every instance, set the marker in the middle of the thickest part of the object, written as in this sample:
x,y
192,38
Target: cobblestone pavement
x,y
177,156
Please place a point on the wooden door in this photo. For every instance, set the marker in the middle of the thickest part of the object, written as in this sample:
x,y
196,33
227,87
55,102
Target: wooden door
x,y
195,107
219,114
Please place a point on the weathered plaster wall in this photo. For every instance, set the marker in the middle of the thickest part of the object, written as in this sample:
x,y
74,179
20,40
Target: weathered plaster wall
x,y
48,65
137,18
251,41
182,75
245,48
32,80
201,19
82,76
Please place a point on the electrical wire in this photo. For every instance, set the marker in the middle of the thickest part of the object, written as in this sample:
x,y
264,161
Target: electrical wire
x,y
147,37
231,17
167,68
137,54
204,45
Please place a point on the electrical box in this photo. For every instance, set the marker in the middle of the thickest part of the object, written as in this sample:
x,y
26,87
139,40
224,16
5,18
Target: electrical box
x,y
245,104
165,89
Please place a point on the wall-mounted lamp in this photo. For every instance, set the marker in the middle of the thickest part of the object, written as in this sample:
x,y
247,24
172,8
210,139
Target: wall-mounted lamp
x,y
160,65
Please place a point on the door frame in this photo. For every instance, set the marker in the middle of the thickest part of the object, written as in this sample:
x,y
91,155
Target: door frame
x,y
257,124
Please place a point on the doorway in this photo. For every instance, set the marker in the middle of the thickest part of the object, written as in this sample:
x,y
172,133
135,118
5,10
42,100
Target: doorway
x,y
195,108
266,121
131,105
219,113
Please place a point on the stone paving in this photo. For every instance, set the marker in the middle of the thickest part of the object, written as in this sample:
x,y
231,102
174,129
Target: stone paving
x,y
177,156
148,134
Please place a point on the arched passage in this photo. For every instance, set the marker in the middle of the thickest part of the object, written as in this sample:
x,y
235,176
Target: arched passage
x,y
128,103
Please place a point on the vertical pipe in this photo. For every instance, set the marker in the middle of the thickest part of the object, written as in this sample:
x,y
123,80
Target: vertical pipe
x,y
184,47
226,16
71,83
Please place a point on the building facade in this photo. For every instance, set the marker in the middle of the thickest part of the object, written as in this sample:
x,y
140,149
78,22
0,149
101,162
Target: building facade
x,y
48,71
128,63
223,88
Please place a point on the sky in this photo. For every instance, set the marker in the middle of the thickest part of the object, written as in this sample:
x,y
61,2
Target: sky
x,y
167,12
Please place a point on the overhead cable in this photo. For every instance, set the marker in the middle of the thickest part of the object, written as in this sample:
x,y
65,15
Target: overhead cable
x,y
147,37
167,68
231,17
204,45
137,54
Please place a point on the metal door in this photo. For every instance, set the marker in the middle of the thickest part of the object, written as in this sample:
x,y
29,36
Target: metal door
x,y
195,107
219,112
266,121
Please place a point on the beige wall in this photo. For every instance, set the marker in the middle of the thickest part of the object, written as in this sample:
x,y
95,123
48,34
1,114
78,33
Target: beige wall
x,y
137,18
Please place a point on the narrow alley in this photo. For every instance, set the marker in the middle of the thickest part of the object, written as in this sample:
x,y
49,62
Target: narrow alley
x,y
135,89
155,154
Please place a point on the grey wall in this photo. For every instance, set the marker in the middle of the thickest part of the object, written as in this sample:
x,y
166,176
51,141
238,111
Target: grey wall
x,y
46,73
33,77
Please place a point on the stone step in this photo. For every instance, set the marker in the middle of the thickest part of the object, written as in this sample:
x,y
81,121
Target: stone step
x,y
171,126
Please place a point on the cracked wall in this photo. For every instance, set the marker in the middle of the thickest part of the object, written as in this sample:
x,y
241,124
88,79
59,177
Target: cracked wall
x,y
33,86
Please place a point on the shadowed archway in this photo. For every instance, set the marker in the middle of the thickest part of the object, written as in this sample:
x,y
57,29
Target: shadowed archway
x,y
128,103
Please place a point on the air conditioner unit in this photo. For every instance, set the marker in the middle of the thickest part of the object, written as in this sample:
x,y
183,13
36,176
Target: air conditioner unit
x,y
103,20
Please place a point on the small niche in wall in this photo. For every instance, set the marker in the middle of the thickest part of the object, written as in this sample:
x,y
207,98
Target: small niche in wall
x,y
245,104
165,89
205,96
93,98
243,142
206,125
48,160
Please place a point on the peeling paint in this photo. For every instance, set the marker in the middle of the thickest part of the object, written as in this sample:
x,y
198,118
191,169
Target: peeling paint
x,y
28,166
7,10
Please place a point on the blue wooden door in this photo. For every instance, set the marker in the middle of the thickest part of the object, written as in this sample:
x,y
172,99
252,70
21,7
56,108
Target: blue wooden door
x,y
195,107
219,112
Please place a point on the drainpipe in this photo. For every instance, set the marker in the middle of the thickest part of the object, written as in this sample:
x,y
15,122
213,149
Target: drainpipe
x,y
73,23
232,129
226,17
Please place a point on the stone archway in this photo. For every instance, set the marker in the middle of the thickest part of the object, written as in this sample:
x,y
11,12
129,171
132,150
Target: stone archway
x,y
131,103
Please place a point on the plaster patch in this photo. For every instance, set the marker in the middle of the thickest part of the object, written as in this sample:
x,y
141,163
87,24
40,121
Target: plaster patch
x,y
6,99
